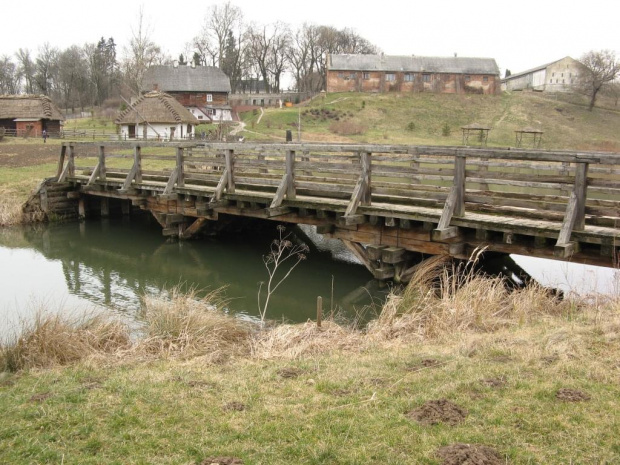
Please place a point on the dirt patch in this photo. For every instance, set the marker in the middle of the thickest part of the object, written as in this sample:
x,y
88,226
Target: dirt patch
x,y
438,411
235,407
494,382
469,454
222,461
290,372
572,395
41,397
19,155
422,364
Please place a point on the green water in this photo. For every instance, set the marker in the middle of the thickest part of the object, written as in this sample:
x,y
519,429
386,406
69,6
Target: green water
x,y
110,264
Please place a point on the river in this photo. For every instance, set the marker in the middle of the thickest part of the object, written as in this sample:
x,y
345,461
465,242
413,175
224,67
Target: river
x,y
109,264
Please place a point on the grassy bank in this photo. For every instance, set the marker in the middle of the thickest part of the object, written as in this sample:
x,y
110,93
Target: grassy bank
x,y
530,376
437,119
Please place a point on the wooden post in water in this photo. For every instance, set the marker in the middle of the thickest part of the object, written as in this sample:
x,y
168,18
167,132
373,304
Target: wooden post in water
x,y
319,311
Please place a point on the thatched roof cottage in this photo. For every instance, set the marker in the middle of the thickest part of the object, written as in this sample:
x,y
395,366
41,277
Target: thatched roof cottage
x,y
156,115
29,115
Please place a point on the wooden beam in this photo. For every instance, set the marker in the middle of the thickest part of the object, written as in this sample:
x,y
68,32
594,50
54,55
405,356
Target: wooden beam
x,y
179,168
230,177
359,251
194,228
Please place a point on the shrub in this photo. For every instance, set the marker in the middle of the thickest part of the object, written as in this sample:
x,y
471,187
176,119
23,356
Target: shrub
x,y
445,130
410,127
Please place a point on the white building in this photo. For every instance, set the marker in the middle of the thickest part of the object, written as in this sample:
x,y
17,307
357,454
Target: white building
x,y
558,76
157,116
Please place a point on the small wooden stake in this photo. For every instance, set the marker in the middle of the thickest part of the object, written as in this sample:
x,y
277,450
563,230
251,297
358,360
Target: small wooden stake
x,y
319,311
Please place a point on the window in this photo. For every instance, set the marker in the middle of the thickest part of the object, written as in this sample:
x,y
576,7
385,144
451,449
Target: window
x,y
552,74
209,98
390,77
426,77
353,75
467,78
409,77
341,75
366,76
485,79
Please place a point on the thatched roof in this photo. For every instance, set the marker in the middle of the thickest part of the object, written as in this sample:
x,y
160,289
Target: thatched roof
x,y
185,79
417,64
29,106
156,107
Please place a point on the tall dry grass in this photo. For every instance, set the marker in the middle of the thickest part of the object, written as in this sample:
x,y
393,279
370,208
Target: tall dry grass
x,y
181,324
52,340
442,300
10,208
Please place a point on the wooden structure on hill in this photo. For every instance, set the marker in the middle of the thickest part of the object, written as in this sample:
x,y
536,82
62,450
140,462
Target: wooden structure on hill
x,y
386,203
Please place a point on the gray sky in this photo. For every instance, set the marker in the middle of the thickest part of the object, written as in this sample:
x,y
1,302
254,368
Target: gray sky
x,y
519,35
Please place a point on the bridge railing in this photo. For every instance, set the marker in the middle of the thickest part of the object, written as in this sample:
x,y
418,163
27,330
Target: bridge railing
x,y
450,186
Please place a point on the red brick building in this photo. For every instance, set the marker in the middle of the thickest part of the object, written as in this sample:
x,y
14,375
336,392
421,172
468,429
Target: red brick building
x,y
383,73
29,115
203,90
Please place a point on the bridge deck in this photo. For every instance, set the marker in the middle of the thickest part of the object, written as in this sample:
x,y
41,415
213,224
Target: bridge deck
x,y
562,204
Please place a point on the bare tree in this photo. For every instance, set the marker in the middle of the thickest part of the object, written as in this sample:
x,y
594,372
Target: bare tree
x,y
73,83
277,53
214,39
142,54
601,67
26,69
46,69
9,77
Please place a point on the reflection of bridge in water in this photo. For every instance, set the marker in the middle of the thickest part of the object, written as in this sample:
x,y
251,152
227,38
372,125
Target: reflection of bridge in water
x,y
386,203
113,263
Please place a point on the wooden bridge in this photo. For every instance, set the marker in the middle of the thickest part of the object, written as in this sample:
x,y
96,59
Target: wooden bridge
x,y
385,202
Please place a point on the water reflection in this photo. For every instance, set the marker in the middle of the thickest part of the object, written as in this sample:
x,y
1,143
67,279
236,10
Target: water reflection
x,y
112,263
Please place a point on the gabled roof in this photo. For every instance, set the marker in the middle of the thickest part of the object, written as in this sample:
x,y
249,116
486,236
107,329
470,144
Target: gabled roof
x,y
416,64
533,70
185,79
156,107
29,106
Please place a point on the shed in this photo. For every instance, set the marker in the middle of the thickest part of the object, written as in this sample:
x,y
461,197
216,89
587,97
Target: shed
x,y
156,115
29,115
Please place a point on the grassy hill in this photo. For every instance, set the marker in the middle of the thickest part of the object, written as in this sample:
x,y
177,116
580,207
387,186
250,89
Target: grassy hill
x,y
437,119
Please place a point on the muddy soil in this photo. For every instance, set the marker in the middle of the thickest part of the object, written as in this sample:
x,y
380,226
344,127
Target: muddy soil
x,y
469,454
572,395
438,411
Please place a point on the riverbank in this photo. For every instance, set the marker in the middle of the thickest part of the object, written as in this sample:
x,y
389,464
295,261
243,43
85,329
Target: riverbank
x,y
533,378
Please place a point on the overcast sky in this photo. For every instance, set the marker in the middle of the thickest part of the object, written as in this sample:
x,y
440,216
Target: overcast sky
x,y
519,35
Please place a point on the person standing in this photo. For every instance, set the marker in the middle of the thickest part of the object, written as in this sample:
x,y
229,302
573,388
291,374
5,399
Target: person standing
x,y
44,134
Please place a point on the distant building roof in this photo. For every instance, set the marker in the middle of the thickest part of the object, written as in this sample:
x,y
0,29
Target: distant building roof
x,y
185,79
418,64
31,107
156,107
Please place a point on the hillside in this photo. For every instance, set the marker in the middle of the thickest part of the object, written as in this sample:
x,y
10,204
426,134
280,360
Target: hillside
x,y
436,119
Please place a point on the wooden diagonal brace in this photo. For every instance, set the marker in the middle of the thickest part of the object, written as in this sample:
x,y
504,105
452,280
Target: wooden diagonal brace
x,y
221,185
94,174
171,181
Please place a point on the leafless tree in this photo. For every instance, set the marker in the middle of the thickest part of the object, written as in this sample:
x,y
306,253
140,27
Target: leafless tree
x,y
9,77
46,69
141,54
601,68
26,69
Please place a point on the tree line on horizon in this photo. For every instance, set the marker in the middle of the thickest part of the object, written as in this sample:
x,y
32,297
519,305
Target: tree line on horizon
x,y
88,75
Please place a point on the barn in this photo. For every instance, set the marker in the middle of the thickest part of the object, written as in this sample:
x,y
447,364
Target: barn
x,y
30,115
558,76
389,73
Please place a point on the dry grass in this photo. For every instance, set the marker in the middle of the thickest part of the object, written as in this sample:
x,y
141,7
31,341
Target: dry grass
x,y
10,207
178,324
52,340
440,301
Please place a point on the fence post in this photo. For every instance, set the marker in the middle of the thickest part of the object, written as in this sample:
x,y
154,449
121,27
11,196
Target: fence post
x,y
365,159
61,161
102,173
290,172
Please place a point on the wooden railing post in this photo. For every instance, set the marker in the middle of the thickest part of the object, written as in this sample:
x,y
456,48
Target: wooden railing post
x,y
180,169
290,174
230,164
61,161
71,162
361,193
575,216
137,163
366,174
455,203
102,171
